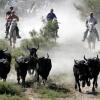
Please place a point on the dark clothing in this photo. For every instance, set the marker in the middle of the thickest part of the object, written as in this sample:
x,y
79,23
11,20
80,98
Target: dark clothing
x,y
51,16
8,13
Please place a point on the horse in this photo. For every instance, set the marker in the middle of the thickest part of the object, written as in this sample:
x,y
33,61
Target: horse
x,y
12,33
91,38
50,28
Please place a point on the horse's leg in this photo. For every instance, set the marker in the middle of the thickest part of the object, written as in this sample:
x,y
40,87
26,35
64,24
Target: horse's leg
x,y
89,44
13,45
94,45
14,39
10,42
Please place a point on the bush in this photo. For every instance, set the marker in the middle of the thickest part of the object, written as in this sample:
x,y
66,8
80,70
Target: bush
x,y
4,44
9,97
88,6
9,89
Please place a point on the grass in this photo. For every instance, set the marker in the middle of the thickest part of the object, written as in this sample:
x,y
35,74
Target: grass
x,y
10,97
10,89
52,91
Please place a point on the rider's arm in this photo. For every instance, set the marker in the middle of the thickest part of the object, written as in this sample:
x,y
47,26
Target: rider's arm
x,y
7,15
95,21
86,23
17,18
54,16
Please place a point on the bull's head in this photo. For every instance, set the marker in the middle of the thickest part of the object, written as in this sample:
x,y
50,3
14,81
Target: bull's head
x,y
33,51
75,62
97,57
3,50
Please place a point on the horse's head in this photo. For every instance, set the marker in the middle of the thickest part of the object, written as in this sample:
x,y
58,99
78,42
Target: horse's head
x,y
90,26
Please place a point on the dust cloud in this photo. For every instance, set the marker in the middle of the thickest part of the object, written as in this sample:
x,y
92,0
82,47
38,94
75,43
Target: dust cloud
x,y
71,29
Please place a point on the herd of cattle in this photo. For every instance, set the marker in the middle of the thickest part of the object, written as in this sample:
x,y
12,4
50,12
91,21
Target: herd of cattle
x,y
24,64
86,70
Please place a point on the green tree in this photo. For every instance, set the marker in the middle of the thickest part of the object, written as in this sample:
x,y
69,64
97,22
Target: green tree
x,y
88,6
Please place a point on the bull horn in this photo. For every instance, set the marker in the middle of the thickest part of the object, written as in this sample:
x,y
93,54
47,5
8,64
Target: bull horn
x,y
47,55
75,61
85,58
37,47
5,50
97,57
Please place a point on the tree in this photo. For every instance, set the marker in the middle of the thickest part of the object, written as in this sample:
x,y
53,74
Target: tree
x,y
88,6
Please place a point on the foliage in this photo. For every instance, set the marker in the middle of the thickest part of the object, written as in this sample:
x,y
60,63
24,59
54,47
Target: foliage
x,y
50,30
45,37
9,89
4,44
88,6
17,52
52,91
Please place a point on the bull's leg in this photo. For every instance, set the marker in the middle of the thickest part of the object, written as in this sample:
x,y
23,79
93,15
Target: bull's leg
x,y
37,78
94,81
18,78
44,81
88,82
83,83
77,82
79,86
4,80
23,81
96,84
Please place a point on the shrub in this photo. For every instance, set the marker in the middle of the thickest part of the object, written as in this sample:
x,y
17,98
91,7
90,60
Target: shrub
x,y
9,89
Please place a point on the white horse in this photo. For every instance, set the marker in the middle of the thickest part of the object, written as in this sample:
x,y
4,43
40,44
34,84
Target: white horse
x,y
12,33
91,38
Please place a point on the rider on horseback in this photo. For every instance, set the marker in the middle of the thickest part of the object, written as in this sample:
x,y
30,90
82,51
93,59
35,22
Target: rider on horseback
x,y
10,15
51,15
51,18
91,19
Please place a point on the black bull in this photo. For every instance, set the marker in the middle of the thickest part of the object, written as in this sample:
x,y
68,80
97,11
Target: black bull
x,y
85,70
5,61
21,67
42,68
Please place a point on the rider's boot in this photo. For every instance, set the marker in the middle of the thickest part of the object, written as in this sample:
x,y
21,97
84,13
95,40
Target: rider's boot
x,y
97,35
18,36
85,35
6,35
17,30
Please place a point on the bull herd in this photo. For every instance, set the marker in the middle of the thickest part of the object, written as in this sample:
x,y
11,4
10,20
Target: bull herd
x,y
24,64
86,70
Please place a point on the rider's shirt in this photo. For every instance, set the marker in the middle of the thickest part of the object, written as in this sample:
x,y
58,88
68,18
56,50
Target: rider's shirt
x,y
91,20
8,13
11,17
51,16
